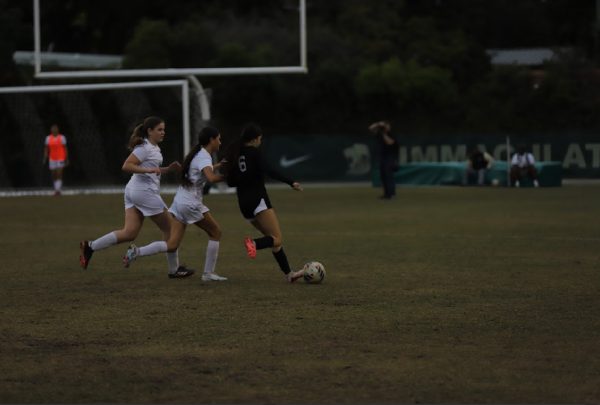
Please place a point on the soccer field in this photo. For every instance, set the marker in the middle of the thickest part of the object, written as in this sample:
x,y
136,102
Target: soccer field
x,y
468,295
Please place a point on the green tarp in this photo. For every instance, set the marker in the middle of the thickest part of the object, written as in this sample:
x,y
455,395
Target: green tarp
x,y
452,173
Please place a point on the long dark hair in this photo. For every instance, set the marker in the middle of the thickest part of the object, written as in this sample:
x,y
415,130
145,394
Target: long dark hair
x,y
140,132
206,135
249,133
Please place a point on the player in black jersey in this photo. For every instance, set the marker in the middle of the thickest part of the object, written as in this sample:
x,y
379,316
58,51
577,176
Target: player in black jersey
x,y
246,171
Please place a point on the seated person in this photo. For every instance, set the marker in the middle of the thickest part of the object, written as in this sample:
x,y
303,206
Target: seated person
x,y
521,166
478,164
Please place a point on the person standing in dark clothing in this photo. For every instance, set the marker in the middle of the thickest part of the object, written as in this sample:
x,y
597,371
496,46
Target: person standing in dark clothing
x,y
388,159
246,171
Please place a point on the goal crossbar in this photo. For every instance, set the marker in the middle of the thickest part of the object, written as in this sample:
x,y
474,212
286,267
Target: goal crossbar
x,y
219,71
183,84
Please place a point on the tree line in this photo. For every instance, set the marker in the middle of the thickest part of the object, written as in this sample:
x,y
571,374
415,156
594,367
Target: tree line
x,y
420,63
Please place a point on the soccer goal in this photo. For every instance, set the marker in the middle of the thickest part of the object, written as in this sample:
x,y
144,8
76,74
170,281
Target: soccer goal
x,y
300,68
96,119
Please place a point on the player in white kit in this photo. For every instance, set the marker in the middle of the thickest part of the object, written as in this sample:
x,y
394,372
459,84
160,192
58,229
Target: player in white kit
x,y
188,207
142,194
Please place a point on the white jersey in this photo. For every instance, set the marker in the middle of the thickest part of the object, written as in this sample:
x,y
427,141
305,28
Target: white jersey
x,y
523,160
193,194
149,156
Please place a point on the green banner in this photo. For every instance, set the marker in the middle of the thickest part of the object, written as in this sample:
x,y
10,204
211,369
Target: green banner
x,y
353,157
320,157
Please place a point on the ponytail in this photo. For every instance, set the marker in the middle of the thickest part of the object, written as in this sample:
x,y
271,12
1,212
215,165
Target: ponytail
x,y
140,132
136,138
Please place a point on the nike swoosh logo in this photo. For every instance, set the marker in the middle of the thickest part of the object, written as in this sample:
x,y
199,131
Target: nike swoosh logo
x,y
285,162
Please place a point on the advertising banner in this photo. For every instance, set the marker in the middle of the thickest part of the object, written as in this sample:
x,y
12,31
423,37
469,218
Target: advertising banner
x,y
351,157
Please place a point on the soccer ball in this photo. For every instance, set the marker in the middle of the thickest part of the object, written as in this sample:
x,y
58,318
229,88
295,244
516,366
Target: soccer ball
x,y
314,272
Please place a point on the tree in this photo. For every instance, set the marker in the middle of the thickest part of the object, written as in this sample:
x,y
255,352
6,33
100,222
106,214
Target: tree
x,y
406,90
149,47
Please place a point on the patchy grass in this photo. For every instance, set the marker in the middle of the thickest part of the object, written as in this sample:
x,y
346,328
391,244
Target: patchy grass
x,y
442,295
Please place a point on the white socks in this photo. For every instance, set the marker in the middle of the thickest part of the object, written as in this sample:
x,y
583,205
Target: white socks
x,y
104,241
212,253
172,260
57,185
160,247
152,248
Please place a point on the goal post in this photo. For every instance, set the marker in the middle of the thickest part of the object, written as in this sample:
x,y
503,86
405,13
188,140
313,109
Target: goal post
x,y
183,84
301,68
96,119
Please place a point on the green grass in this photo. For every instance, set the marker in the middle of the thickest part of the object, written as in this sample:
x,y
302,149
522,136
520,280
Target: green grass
x,y
443,295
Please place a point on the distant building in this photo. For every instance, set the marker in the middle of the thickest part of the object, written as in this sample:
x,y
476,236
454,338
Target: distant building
x,y
532,57
70,60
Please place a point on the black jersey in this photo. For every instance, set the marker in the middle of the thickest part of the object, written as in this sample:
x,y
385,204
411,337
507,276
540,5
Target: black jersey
x,y
388,152
250,171
248,175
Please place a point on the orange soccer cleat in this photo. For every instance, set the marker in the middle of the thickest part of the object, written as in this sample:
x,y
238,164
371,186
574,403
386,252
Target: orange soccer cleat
x,y
250,248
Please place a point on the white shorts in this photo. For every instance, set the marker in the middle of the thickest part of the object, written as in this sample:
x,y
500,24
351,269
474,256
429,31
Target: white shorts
x,y
188,213
148,202
262,206
56,164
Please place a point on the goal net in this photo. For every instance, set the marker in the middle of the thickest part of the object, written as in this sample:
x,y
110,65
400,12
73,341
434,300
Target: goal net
x,y
97,122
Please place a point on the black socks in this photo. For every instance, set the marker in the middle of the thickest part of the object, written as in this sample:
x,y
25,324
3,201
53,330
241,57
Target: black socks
x,y
282,261
264,242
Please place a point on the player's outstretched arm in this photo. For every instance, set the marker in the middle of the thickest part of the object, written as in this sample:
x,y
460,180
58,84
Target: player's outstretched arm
x,y
173,167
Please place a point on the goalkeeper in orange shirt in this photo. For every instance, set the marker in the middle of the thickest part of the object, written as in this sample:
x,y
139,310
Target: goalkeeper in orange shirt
x,y
57,156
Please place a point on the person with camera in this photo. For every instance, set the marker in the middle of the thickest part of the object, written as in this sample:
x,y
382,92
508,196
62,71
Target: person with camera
x,y
388,157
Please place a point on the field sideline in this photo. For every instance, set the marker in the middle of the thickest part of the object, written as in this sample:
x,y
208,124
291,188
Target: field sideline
x,y
442,295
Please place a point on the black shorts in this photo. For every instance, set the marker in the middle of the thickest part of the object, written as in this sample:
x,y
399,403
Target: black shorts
x,y
250,205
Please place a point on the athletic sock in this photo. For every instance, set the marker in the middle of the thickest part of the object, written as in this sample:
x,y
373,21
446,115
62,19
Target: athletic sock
x,y
173,261
212,253
264,242
57,185
282,261
152,248
103,242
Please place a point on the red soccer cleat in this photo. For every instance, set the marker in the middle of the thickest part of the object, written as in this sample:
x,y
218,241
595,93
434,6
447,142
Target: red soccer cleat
x,y
86,254
250,248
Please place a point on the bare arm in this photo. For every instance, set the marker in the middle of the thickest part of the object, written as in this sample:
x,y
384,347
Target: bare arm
x,y
388,139
173,167
220,164
211,176
45,159
132,165
490,160
374,126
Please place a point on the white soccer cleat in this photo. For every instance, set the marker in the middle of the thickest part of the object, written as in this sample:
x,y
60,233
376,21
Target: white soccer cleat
x,y
130,255
213,277
292,276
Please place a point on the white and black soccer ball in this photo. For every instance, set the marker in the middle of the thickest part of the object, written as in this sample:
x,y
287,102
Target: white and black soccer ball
x,y
314,272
